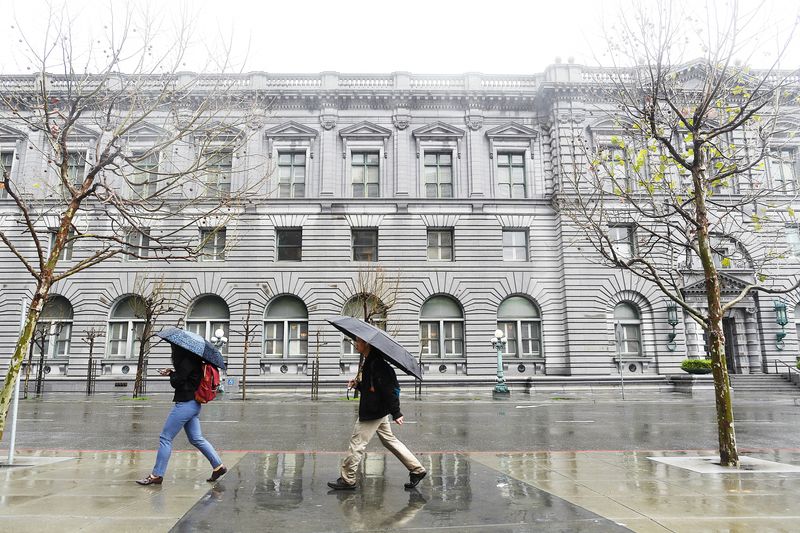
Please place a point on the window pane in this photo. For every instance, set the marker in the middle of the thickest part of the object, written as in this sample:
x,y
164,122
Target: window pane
x,y
444,159
284,158
430,159
358,159
300,159
373,158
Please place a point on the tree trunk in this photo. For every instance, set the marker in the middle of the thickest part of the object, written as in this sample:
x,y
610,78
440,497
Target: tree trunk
x,y
143,348
726,434
35,309
244,355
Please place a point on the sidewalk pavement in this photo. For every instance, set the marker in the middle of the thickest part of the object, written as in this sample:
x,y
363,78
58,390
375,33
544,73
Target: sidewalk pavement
x,y
527,463
481,492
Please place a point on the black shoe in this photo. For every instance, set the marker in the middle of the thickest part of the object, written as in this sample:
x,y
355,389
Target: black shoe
x,y
216,474
414,479
341,484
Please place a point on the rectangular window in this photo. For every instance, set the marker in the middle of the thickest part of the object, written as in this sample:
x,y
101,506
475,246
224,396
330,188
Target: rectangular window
x,y
429,338
144,179
453,339
218,174
515,245
621,238
612,169
440,245
629,341
76,168
291,174
781,165
213,242
365,244
793,241
117,338
66,251
531,338
511,175
298,339
55,337
138,243
365,170
7,163
289,244
439,175
273,339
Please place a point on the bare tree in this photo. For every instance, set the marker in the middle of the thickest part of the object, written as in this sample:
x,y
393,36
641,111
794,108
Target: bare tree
x,y
677,181
373,293
154,298
90,336
132,163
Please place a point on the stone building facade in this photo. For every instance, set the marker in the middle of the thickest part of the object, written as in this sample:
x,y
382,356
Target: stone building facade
x,y
445,183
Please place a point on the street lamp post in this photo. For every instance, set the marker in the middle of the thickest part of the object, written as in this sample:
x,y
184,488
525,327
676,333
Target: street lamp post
x,y
499,343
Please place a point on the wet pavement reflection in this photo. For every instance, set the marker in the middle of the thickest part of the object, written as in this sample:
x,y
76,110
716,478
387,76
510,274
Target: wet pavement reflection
x,y
287,492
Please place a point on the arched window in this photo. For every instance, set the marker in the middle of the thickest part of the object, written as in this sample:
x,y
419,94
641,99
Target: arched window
x,y
375,315
286,328
208,314
521,323
54,328
126,327
628,329
441,328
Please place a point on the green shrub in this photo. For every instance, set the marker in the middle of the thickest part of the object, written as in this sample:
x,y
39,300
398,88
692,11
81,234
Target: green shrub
x,y
798,364
696,366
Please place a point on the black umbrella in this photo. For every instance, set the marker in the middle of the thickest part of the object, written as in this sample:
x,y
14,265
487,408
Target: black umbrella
x,y
194,343
380,341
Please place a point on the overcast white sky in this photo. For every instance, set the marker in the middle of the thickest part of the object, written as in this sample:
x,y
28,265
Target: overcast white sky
x,y
422,36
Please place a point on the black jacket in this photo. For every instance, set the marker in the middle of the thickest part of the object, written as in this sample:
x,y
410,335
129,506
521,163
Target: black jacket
x,y
187,376
380,392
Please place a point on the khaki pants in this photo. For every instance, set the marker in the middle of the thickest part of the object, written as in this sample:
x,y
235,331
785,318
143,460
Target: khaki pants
x,y
363,433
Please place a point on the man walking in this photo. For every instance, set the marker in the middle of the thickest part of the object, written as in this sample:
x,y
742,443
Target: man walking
x,y
379,398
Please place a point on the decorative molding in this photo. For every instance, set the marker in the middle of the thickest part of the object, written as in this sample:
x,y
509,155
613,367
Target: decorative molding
x,y
9,134
474,119
145,132
328,121
364,221
401,120
365,130
292,131
439,131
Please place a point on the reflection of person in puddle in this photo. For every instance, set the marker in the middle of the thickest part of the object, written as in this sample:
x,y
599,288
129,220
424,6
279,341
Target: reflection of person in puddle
x,y
365,510
380,397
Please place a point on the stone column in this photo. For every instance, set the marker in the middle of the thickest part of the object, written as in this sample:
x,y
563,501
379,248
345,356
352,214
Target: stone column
x,y
753,340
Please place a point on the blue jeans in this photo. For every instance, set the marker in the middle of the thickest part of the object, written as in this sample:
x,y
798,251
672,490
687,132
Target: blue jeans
x,y
184,415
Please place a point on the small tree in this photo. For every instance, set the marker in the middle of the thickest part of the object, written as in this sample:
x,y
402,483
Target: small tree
x,y
124,155
90,336
373,294
672,187
155,298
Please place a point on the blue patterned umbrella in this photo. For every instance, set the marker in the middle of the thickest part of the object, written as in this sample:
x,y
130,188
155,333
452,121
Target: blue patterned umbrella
x,y
380,341
194,343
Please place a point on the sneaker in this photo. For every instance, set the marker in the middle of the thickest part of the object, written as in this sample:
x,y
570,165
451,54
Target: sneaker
x,y
341,484
414,479
218,473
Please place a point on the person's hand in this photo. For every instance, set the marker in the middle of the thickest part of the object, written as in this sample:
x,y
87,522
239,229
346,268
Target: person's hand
x,y
399,421
351,384
165,371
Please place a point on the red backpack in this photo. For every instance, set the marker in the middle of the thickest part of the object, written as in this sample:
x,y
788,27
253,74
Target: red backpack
x,y
207,390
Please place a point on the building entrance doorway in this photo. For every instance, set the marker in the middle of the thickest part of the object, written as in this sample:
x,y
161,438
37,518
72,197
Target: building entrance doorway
x,y
731,349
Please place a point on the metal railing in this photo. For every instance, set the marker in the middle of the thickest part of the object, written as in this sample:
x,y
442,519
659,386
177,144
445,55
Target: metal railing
x,y
789,367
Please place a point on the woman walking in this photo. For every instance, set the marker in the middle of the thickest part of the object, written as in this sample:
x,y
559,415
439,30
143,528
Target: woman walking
x,y
185,378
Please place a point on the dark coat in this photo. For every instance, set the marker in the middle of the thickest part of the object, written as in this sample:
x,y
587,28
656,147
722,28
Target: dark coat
x,y
380,392
187,375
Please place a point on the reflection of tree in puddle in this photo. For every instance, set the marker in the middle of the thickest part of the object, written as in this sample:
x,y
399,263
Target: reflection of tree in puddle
x,y
280,486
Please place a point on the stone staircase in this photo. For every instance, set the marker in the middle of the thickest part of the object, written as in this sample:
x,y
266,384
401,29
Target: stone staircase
x,y
763,385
